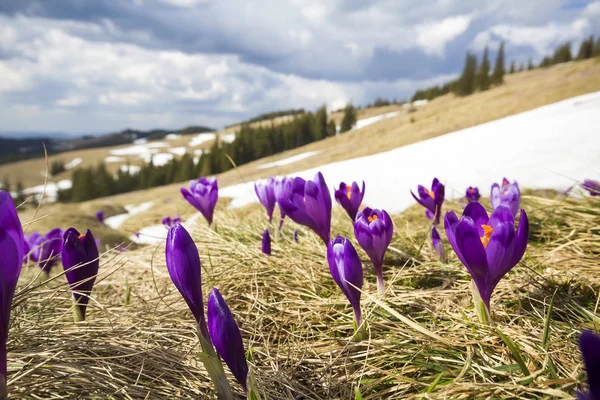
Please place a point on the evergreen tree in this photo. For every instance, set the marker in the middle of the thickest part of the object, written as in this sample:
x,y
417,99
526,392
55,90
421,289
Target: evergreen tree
x,y
530,65
483,75
586,49
466,83
546,62
562,54
349,118
498,74
331,128
596,50
19,197
512,68
320,127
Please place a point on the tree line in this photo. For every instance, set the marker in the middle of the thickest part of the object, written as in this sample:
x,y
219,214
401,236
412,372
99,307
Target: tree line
x,y
250,144
476,76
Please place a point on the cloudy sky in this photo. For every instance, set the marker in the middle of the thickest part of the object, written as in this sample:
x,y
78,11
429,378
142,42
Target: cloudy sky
x,y
81,66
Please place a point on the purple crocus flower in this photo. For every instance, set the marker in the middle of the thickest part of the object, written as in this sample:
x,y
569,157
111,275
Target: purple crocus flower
x,y
472,194
183,264
35,240
509,195
203,195
589,343
488,247
437,244
308,203
169,222
100,216
266,242
373,230
81,261
50,249
591,186
431,199
350,197
296,235
346,271
11,261
265,190
226,337
281,184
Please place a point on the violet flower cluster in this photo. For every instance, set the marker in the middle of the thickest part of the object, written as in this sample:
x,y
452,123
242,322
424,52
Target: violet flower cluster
x,y
203,195
508,194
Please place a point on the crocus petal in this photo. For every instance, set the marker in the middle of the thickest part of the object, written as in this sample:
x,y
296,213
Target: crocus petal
x,y
471,248
499,253
266,242
183,264
521,239
495,195
501,214
226,336
589,344
346,271
9,221
478,214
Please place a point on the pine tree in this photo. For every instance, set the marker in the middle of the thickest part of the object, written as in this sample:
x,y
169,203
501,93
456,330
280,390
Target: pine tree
x,y
512,68
483,75
586,49
530,65
320,128
596,50
466,83
331,128
349,118
562,54
498,74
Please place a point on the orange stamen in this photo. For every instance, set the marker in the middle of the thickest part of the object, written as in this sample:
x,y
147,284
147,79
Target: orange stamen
x,y
429,192
485,239
349,189
372,218
505,182
81,236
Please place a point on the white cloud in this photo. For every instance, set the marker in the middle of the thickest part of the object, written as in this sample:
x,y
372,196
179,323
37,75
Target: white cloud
x,y
433,36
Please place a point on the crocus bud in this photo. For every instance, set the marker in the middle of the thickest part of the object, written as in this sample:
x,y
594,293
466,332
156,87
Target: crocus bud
x,y
346,270
183,264
350,197
296,235
11,260
308,203
431,199
226,337
203,195
100,216
81,262
50,249
373,230
281,184
265,190
592,186
266,242
508,194
436,240
589,344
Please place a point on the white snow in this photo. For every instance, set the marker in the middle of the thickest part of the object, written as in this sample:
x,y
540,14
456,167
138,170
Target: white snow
x,y
288,160
550,147
132,169
73,163
155,234
140,141
228,138
419,103
361,123
178,150
117,220
113,159
198,152
202,138
172,136
157,145
161,159
51,192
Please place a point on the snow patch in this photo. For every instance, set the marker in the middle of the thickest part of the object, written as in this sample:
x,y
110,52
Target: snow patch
x,y
113,159
202,138
140,141
132,169
172,136
228,138
117,220
178,150
161,159
73,163
288,160
361,123
527,147
51,191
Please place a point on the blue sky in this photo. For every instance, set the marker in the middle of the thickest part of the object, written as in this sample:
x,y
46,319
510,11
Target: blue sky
x,y
82,66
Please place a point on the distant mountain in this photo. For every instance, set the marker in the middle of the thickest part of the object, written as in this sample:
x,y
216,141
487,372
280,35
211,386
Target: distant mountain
x,y
15,146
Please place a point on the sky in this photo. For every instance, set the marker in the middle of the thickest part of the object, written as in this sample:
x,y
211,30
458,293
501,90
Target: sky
x,y
92,66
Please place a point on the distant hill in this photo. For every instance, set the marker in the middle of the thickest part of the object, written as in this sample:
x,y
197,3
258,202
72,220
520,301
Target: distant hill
x,y
15,149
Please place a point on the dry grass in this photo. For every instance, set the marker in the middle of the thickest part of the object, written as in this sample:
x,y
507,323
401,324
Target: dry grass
x,y
424,341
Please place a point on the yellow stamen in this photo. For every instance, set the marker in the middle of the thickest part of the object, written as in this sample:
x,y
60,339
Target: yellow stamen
x,y
372,218
349,189
81,236
429,192
505,182
485,239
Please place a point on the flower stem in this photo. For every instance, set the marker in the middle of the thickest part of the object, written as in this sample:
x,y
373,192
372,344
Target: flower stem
x,y
77,314
360,330
380,284
483,313
214,367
